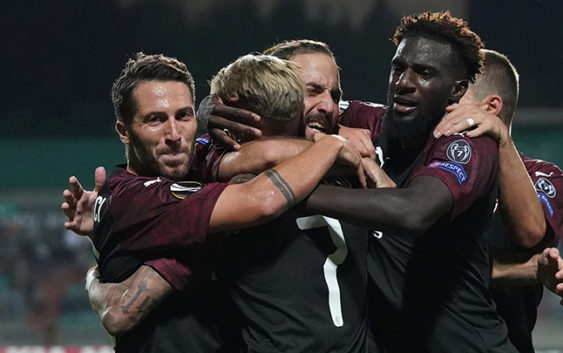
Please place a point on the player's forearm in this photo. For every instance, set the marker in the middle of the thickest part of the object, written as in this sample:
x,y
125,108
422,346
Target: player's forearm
x,y
256,156
275,190
122,306
514,270
413,209
519,204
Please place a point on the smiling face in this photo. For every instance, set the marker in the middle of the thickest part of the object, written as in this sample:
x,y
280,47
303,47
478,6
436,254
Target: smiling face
x,y
320,74
422,80
161,136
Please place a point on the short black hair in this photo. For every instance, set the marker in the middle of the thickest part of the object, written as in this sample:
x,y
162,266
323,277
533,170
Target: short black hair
x,y
145,68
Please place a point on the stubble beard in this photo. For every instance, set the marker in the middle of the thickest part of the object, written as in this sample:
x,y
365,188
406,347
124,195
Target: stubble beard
x,y
144,163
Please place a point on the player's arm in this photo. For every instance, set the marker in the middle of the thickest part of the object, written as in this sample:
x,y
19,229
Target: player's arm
x,y
256,156
121,306
275,190
414,208
527,269
520,207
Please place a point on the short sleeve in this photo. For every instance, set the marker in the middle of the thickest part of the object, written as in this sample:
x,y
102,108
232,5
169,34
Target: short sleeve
x,y
159,214
173,271
548,182
468,167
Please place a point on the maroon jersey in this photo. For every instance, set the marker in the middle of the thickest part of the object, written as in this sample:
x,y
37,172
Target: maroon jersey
x,y
136,221
548,180
517,305
436,283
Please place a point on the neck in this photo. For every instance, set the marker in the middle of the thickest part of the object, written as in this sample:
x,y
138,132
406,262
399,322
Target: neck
x,y
404,142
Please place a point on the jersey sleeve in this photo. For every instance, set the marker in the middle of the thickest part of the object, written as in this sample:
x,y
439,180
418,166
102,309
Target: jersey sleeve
x,y
207,161
159,214
173,271
548,181
362,115
468,167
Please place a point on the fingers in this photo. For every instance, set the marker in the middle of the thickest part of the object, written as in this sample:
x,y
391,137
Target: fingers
x,y
99,178
75,187
221,138
229,133
362,176
243,116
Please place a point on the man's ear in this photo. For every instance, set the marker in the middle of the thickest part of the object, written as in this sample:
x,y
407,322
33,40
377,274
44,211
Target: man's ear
x,y
122,131
458,90
492,104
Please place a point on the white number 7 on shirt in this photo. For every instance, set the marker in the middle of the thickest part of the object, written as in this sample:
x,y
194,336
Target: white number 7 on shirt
x,y
332,261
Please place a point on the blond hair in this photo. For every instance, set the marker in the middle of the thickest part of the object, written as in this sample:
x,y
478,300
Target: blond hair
x,y
269,86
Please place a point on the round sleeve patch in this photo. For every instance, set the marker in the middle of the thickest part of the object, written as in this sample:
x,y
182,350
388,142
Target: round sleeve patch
x,y
459,151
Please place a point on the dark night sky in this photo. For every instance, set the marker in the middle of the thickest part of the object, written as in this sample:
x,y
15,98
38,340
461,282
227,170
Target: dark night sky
x,y
60,57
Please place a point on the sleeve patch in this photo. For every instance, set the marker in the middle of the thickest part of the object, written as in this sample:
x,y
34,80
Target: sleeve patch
x,y
453,168
459,151
545,186
546,202
182,189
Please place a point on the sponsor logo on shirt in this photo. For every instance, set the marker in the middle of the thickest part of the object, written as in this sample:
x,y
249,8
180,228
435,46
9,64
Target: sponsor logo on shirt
x,y
377,234
459,151
182,189
453,168
150,182
545,186
543,174
546,202
203,140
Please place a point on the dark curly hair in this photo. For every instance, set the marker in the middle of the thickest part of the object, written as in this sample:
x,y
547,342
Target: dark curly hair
x,y
145,68
466,43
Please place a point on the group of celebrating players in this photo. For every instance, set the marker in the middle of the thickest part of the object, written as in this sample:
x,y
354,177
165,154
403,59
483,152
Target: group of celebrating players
x,y
312,224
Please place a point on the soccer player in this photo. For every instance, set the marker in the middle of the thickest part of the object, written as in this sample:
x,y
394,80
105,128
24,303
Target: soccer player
x,y
530,213
428,260
146,205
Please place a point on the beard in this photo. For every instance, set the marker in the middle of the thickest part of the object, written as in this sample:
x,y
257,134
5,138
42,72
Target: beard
x,y
144,163
407,137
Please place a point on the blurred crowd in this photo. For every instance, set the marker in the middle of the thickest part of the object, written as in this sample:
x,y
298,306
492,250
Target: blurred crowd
x,y
42,268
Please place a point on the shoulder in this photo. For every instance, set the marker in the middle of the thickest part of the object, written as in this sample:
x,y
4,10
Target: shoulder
x,y
357,114
541,168
462,149
356,106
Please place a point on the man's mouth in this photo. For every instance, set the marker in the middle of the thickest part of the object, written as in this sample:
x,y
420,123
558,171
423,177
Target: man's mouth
x,y
403,105
315,125
173,158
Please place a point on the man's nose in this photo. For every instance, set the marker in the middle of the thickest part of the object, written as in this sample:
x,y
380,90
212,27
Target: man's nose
x,y
172,133
405,81
325,104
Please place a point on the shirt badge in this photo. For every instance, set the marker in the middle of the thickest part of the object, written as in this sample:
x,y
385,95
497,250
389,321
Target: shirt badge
x,y
182,189
545,186
459,151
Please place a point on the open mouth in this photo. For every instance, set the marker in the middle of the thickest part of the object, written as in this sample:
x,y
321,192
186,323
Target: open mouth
x,y
315,125
403,105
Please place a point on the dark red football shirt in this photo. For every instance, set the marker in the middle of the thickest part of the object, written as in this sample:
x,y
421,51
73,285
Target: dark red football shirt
x,y
151,220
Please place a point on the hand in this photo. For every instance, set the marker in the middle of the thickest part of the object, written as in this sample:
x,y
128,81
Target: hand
x,y
484,123
348,156
376,177
227,125
550,270
361,138
78,204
